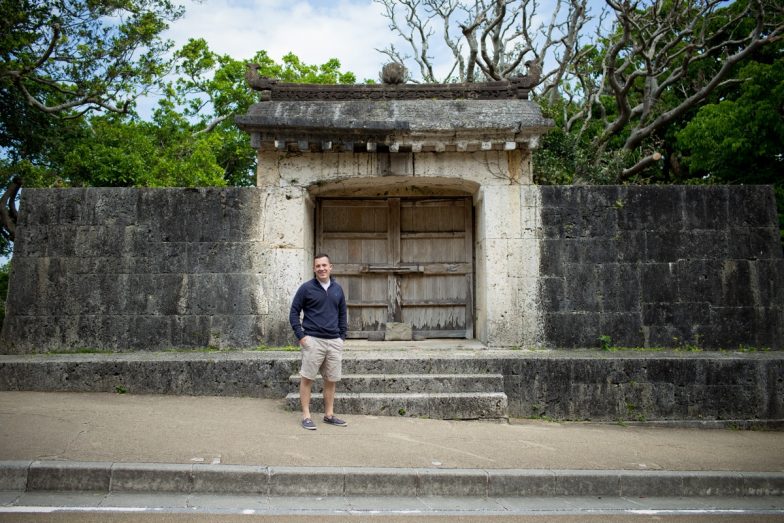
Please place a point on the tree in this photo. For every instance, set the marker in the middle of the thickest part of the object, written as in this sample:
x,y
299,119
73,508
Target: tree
x,y
211,89
654,54
740,140
83,55
192,139
650,62
133,153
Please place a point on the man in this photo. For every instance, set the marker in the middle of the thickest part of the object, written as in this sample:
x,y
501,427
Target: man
x,y
321,333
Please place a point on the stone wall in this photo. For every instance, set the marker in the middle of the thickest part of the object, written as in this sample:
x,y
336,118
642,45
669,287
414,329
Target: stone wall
x,y
154,269
661,266
145,269
645,385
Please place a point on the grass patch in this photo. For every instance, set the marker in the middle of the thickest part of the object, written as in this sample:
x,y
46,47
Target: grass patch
x,y
543,417
606,344
186,350
81,350
260,348
209,348
286,348
749,348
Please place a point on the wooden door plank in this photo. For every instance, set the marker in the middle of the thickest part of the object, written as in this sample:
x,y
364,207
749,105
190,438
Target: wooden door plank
x,y
434,236
345,235
431,235
352,203
393,231
319,228
469,275
393,223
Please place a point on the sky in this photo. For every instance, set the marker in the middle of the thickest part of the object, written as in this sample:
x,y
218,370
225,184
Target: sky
x,y
314,30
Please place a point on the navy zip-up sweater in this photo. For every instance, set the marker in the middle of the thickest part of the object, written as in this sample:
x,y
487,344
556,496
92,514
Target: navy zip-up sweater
x,y
325,311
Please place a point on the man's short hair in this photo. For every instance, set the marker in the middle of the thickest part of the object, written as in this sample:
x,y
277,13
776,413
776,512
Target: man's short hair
x,y
321,255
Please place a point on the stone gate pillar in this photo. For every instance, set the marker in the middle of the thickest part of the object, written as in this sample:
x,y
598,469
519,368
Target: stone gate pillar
x,y
288,233
507,265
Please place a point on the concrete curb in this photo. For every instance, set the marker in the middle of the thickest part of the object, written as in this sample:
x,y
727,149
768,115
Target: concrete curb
x,y
361,481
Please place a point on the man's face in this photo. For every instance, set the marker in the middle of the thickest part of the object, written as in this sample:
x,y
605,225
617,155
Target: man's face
x,y
322,268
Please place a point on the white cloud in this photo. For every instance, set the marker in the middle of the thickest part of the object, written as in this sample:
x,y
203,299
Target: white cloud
x,y
314,30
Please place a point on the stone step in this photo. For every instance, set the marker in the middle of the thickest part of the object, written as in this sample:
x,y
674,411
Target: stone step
x,y
459,405
411,383
454,363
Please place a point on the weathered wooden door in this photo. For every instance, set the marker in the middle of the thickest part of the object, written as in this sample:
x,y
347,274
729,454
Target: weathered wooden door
x,y
402,260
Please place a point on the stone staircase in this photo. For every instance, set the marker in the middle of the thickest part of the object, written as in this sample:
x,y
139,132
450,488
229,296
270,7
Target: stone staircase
x,y
439,389
433,378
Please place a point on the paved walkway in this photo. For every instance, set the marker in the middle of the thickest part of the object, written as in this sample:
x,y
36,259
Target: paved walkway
x,y
245,431
123,454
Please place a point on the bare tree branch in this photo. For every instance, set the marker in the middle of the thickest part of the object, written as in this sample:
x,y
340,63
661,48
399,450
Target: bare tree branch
x,y
77,101
641,165
497,36
212,125
417,34
620,79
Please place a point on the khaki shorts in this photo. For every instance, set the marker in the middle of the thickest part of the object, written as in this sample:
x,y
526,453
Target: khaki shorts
x,y
321,356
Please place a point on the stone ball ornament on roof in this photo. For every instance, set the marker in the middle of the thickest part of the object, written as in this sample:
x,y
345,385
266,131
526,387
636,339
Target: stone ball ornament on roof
x,y
534,71
394,73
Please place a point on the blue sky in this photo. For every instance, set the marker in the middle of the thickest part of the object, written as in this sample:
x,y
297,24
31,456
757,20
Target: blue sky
x,y
314,30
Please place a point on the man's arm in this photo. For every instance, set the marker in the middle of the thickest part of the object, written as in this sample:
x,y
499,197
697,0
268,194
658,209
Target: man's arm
x,y
343,316
294,313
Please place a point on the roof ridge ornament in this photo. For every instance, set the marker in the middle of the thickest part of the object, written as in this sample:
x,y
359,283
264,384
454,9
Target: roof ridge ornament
x,y
273,89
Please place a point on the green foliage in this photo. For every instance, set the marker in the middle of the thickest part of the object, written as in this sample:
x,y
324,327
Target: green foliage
x,y
211,89
600,142
70,121
82,55
740,140
293,70
564,158
133,153
285,348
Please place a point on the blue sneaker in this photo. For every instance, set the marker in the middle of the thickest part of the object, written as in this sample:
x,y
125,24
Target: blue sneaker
x,y
335,421
308,424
